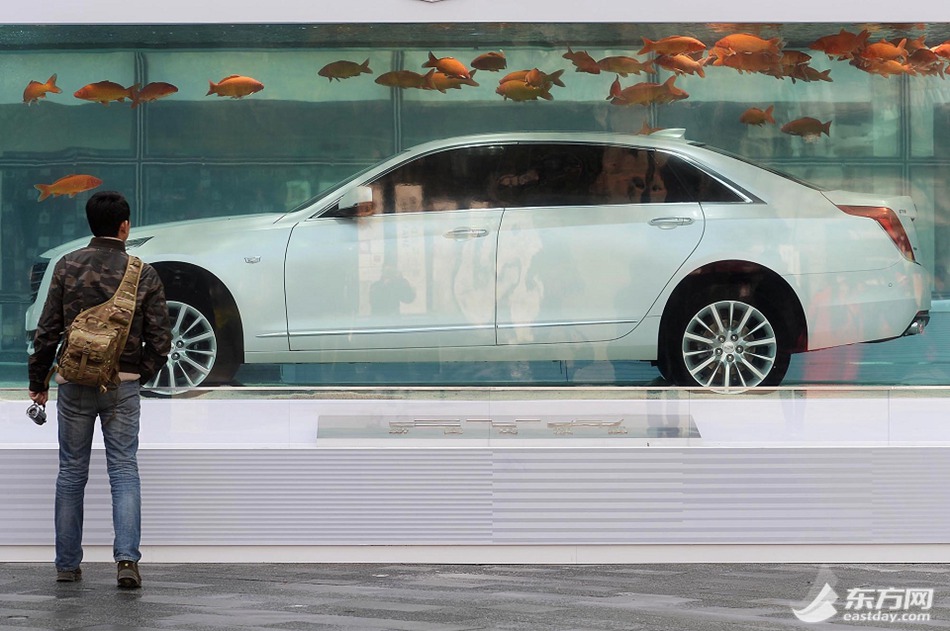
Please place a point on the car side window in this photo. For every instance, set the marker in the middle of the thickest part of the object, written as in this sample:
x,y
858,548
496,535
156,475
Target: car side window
x,y
594,175
631,175
542,174
454,179
694,184
553,174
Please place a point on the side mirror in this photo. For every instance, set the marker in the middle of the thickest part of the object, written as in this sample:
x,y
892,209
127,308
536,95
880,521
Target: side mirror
x,y
353,199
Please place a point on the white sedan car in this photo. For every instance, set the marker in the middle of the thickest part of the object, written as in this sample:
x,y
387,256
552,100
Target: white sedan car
x,y
541,246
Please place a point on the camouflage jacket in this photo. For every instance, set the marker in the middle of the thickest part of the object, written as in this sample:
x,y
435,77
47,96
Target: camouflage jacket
x,y
90,276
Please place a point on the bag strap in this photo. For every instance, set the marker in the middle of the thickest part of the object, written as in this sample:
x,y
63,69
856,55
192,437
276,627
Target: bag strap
x,y
126,295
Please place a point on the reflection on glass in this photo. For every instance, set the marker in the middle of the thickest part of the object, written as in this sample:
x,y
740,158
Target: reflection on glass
x,y
189,155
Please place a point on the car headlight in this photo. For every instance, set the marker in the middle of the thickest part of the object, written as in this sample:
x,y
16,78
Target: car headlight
x,y
36,276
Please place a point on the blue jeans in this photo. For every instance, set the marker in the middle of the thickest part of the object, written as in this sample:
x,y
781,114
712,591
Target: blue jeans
x,y
118,409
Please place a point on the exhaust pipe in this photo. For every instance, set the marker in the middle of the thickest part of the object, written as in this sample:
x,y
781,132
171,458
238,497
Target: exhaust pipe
x,y
917,325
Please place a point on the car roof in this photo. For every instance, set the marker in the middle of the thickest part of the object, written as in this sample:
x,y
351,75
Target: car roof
x,y
662,139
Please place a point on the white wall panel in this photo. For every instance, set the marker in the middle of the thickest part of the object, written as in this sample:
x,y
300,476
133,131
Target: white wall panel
x,y
505,496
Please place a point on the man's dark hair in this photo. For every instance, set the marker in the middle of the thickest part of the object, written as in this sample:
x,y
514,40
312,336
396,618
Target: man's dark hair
x,y
105,212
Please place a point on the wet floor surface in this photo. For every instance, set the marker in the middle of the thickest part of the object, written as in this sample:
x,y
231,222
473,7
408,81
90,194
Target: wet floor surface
x,y
409,597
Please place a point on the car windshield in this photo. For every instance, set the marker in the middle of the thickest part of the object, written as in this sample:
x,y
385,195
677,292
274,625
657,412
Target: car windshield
x,y
778,172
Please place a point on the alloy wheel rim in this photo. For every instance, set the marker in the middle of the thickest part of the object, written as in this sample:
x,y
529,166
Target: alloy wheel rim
x,y
729,344
193,352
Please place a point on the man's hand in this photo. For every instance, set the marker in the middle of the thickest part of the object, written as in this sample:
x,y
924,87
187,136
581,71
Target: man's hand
x,y
39,397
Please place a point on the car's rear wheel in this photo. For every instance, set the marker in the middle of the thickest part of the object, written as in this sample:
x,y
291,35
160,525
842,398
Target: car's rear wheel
x,y
198,356
723,340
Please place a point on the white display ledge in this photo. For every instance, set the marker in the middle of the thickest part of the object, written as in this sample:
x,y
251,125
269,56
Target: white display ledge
x,y
513,476
278,418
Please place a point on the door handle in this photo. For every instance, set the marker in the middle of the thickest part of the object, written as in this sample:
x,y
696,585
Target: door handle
x,y
466,233
670,222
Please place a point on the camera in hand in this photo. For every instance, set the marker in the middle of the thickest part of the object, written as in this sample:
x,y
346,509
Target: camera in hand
x,y
37,413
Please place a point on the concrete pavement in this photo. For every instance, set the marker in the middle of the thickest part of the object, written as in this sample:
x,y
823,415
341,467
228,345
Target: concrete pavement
x,y
373,597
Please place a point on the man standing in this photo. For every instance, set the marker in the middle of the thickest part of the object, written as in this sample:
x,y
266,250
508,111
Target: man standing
x,y
81,279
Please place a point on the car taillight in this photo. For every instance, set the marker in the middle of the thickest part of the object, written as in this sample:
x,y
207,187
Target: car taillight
x,y
888,220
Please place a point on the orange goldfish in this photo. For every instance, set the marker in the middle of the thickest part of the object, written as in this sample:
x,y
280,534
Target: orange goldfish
x,y
407,79
515,75
152,92
794,64
624,65
541,79
764,61
35,90
344,69
842,46
448,65
942,50
885,50
806,127
105,91
680,64
882,67
443,82
69,185
235,86
756,116
746,43
490,61
535,77
522,91
926,62
646,93
912,45
646,130
794,58
804,72
582,61
673,45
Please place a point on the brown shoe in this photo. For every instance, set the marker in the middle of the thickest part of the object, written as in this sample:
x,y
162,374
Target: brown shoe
x,y
68,576
128,576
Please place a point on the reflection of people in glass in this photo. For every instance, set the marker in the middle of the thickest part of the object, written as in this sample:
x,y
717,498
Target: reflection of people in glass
x,y
391,290
621,178
555,177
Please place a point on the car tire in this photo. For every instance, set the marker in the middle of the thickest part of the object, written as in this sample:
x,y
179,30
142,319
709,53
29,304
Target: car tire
x,y
201,353
725,339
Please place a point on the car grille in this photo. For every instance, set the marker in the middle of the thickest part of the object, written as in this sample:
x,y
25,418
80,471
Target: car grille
x,y
36,277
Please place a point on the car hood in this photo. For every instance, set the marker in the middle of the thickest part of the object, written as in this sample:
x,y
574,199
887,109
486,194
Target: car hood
x,y
214,225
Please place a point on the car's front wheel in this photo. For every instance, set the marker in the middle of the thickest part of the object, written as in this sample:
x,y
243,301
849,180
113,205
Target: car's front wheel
x,y
197,357
724,340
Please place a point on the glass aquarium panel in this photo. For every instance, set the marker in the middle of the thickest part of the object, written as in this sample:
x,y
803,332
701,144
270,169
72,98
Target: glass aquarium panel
x,y
297,114
928,111
28,227
311,104
60,125
885,180
175,192
931,193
